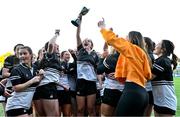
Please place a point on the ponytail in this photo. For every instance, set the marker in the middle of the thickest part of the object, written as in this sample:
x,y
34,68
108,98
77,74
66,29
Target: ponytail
x,y
168,47
174,61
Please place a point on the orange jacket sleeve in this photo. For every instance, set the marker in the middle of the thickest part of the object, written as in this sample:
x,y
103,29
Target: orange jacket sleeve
x,y
120,44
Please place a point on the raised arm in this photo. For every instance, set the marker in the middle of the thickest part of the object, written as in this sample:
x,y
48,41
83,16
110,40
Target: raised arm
x,y
105,46
121,45
52,42
73,54
79,42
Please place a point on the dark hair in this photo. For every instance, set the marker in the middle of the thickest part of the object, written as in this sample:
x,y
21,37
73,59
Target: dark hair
x,y
137,39
168,49
46,45
149,43
19,44
92,44
39,52
62,53
28,49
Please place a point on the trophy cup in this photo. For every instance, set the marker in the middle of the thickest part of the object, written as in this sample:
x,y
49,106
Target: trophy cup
x,y
57,31
77,21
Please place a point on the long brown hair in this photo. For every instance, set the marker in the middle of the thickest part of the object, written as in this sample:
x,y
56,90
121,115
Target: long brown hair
x,y
137,39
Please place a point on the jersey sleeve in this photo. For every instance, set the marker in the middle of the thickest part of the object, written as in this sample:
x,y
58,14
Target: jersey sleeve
x,y
158,67
15,77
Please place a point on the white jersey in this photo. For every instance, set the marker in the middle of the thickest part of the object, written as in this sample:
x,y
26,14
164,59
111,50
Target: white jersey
x,y
8,84
51,75
20,99
72,82
148,86
164,94
110,83
63,82
86,71
162,85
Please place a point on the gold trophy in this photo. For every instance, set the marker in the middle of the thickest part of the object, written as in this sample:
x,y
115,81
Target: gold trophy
x,y
57,31
77,21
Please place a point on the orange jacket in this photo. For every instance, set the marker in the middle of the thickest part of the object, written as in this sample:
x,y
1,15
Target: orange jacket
x,y
132,64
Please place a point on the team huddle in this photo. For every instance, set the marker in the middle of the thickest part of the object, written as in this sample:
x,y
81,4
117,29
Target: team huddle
x,y
126,80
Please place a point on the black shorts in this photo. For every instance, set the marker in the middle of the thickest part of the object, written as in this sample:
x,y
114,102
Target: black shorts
x,y
164,110
98,98
151,99
111,97
64,97
73,94
85,87
48,91
19,111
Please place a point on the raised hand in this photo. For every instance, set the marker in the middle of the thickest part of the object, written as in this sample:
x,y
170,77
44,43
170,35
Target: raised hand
x,y
101,24
36,79
57,31
41,72
71,51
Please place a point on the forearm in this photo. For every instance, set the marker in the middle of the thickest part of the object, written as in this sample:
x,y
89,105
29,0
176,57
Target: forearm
x,y
51,44
78,33
105,46
120,44
100,77
1,89
74,57
53,40
23,86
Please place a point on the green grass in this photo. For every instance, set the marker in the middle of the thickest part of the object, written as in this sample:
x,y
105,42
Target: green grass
x,y
1,111
177,88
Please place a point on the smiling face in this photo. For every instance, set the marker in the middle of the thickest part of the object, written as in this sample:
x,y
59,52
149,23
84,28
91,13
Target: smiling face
x,y
25,56
65,56
87,44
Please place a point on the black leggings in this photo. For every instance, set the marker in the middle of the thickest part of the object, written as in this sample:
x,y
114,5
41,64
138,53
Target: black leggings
x,y
133,101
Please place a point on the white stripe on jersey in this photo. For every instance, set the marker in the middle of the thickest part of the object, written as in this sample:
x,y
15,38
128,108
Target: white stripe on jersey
x,y
105,64
14,77
158,67
162,82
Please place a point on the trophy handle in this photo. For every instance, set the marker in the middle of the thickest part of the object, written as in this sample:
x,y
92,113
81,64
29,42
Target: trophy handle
x,y
76,22
57,31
